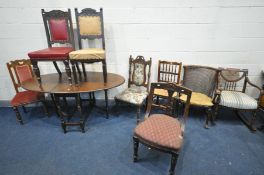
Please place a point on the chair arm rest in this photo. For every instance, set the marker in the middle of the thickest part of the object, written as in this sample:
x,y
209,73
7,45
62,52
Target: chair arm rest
x,y
255,86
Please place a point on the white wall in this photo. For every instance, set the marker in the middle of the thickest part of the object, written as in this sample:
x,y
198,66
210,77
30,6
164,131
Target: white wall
x,y
226,33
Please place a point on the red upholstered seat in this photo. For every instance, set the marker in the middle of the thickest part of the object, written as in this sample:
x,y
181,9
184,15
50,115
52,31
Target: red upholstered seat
x,y
25,97
161,130
53,53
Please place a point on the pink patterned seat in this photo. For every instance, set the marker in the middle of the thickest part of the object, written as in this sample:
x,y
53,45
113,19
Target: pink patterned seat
x,y
161,130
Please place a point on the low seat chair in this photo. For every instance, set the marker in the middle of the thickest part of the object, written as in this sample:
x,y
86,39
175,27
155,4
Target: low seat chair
x,y
231,93
90,26
20,71
167,72
138,83
161,131
59,31
202,81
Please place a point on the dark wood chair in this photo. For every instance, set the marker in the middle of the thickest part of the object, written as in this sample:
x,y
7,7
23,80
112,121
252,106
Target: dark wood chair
x,y
59,31
167,72
90,26
20,71
138,83
231,93
202,81
161,131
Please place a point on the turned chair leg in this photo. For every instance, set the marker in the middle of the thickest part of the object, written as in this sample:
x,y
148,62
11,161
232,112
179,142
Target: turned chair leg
x,y
57,68
209,117
45,109
104,71
138,114
252,121
68,71
174,158
136,143
18,116
36,70
106,103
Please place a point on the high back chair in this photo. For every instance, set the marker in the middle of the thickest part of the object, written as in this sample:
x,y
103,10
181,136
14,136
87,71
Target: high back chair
x,y
138,83
90,26
59,32
202,81
161,131
167,72
20,71
231,93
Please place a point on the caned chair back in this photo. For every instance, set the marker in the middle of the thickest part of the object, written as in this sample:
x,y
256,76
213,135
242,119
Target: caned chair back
x,y
169,71
20,71
200,79
169,104
139,71
58,26
232,79
90,25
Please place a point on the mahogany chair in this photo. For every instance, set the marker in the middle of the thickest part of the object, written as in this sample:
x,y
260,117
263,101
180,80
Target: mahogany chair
x,y
90,26
167,72
59,32
20,71
138,83
161,131
202,81
231,93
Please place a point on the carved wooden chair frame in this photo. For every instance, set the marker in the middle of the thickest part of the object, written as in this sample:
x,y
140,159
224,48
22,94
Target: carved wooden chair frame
x,y
168,109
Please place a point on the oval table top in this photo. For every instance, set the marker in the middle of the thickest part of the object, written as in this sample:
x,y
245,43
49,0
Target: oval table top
x,y
53,83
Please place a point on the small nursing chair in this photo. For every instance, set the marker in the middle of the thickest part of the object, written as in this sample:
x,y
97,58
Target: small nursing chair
x,y
20,71
59,32
202,81
138,83
90,26
161,131
231,93
167,72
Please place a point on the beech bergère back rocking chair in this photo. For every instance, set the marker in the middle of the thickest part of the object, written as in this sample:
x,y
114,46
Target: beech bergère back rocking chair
x,y
20,71
202,81
161,131
90,26
231,93
138,83
167,72
59,32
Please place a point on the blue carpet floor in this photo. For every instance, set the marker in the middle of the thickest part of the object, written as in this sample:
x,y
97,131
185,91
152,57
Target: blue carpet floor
x,y
41,148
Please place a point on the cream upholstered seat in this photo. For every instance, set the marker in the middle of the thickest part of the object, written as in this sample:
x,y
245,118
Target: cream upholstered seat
x,y
237,100
163,93
88,53
133,95
199,99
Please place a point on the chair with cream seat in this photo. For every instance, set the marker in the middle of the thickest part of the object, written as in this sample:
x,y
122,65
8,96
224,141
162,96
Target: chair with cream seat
x,y
231,93
90,26
202,81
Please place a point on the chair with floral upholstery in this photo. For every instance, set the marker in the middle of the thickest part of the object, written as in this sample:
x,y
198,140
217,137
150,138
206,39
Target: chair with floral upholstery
x,y
20,71
202,81
90,26
138,83
59,32
231,93
161,131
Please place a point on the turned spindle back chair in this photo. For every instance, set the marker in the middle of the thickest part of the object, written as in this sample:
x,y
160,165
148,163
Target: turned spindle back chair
x,y
60,39
138,83
161,131
231,93
21,71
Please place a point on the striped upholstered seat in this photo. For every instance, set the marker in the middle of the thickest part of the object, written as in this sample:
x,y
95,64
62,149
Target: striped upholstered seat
x,y
237,100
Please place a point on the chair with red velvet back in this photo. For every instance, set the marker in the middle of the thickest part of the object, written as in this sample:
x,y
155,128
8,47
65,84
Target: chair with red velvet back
x,y
59,31
20,71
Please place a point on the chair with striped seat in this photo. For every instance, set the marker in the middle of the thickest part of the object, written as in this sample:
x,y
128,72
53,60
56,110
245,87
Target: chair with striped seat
x,y
231,93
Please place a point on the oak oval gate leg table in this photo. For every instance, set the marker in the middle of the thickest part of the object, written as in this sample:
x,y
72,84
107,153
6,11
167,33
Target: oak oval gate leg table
x,y
59,87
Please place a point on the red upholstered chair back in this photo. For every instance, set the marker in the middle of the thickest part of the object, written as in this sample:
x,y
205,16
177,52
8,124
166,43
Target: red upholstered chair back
x,y
58,26
20,71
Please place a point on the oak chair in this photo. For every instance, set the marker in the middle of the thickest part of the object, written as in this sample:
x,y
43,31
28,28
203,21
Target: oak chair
x,y
167,72
231,93
20,71
161,131
59,32
90,26
202,81
138,83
